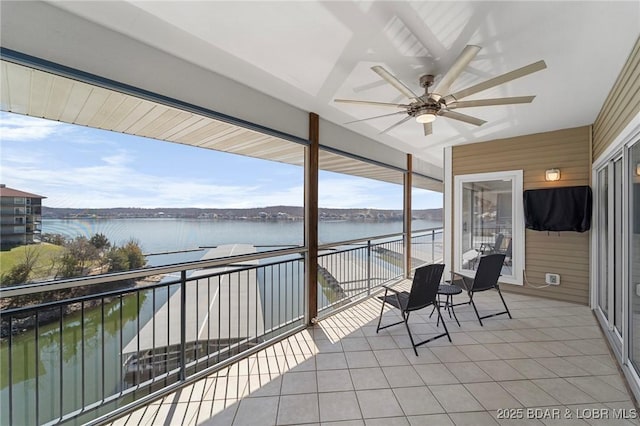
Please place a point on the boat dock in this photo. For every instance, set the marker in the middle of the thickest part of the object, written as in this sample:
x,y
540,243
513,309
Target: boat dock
x,y
224,308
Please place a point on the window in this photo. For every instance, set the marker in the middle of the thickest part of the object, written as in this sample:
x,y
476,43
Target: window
x,y
19,200
489,219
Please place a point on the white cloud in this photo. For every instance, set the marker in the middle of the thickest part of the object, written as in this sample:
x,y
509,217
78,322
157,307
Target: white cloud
x,y
118,159
22,128
116,183
358,193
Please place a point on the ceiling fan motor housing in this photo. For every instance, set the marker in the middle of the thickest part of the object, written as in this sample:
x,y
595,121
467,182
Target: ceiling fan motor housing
x,y
421,109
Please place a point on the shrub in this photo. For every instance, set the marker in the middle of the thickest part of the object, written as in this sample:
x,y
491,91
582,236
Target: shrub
x,y
19,274
117,260
57,239
127,257
134,254
100,242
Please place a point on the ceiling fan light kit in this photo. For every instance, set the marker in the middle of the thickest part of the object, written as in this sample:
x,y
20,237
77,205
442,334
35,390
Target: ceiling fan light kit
x,y
425,108
426,117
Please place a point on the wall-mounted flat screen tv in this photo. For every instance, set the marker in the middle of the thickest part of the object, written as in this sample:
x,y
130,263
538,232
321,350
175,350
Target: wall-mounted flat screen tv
x,y
558,209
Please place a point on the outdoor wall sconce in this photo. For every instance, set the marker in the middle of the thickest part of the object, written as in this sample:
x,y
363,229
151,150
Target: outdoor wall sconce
x,y
552,175
637,169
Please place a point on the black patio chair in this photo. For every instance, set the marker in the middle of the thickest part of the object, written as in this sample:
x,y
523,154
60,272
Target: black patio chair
x,y
485,249
423,293
488,248
508,253
486,278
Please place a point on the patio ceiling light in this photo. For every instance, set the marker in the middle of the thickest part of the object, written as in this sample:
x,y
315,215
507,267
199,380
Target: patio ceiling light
x,y
428,116
552,175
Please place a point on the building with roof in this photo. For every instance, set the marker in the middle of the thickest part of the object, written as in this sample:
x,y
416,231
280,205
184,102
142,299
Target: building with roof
x,y
20,217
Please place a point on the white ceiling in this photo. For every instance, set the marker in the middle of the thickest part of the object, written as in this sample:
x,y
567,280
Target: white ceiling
x,y
307,53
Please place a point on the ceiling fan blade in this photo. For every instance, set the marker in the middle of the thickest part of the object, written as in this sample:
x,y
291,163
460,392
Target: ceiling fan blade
x,y
372,103
428,128
395,125
496,81
377,116
467,55
392,80
462,117
491,102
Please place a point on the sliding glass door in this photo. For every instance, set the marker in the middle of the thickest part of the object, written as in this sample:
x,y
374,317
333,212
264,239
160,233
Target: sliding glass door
x,y
610,249
616,253
603,240
633,239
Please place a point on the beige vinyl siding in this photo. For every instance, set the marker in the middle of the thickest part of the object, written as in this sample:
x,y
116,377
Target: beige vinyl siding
x,y
564,253
622,104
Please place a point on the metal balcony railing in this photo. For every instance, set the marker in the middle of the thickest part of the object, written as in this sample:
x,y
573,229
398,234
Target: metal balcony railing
x,y
147,332
351,270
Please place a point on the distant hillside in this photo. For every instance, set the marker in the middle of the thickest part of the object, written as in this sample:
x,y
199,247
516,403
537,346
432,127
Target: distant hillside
x,y
255,213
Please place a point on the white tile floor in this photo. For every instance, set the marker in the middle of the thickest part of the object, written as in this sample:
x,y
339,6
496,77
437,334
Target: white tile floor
x,y
548,365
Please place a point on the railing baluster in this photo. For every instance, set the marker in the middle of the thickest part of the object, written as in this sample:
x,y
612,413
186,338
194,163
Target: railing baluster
x,y
138,355
167,366
301,290
229,308
219,314
238,312
37,359
10,372
153,334
197,324
433,246
368,266
271,321
82,350
248,304
209,307
183,325
61,364
294,293
121,363
255,313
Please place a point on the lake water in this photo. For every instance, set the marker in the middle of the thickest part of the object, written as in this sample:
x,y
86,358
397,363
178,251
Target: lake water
x,y
163,235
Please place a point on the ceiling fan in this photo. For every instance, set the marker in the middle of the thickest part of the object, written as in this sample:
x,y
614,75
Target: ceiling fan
x,y
439,102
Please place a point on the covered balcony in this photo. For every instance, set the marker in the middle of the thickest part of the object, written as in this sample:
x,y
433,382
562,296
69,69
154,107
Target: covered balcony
x,y
287,335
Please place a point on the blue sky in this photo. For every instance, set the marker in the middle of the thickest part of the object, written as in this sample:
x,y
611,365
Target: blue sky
x,y
80,167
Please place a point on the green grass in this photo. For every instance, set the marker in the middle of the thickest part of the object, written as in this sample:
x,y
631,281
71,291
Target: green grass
x,y
44,251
